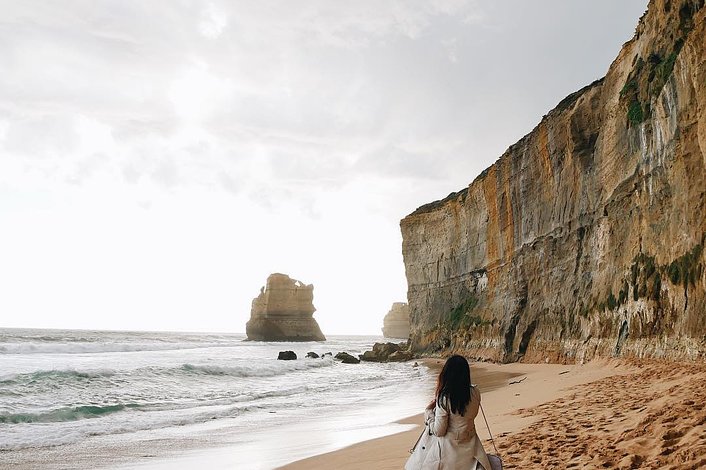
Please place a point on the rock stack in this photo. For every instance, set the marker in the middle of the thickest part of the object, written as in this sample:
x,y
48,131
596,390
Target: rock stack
x,y
284,312
396,322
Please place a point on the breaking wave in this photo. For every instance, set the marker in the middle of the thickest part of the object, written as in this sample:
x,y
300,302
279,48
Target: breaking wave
x,y
89,347
64,414
263,370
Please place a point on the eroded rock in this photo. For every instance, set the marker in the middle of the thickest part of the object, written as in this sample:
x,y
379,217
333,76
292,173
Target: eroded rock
x,y
347,358
370,356
399,356
396,322
284,312
387,352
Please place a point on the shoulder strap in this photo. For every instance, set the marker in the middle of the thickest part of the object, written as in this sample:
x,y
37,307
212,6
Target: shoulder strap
x,y
489,432
414,447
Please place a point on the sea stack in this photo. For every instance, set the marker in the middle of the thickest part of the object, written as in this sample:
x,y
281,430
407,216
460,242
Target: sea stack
x,y
284,312
396,322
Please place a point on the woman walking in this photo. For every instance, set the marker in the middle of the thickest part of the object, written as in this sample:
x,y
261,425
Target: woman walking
x,y
450,417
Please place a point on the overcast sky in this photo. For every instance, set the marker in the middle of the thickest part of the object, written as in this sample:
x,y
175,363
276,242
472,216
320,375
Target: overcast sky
x,y
158,159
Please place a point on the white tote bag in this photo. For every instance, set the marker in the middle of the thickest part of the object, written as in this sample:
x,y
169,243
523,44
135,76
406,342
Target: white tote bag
x,y
426,453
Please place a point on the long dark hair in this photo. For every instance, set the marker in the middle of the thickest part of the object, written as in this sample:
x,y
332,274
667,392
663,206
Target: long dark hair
x,y
454,384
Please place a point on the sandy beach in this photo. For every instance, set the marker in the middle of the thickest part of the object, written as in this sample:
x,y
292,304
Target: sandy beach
x,y
604,414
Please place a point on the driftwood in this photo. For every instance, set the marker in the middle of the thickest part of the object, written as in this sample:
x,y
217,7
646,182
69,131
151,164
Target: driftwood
x,y
517,381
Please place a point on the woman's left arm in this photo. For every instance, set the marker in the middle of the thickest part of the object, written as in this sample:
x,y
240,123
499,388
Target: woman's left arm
x,y
441,420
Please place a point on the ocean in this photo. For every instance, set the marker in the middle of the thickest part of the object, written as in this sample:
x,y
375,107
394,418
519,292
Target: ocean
x,y
144,399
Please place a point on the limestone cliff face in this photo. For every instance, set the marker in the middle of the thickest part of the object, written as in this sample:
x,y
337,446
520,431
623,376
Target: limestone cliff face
x,y
396,322
283,312
586,237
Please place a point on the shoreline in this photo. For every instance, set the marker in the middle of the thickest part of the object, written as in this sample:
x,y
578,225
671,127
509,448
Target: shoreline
x,y
607,413
504,403
179,401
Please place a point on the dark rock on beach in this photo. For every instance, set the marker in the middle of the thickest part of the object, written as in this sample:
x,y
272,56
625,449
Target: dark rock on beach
x,y
286,356
370,356
400,356
312,355
347,358
387,352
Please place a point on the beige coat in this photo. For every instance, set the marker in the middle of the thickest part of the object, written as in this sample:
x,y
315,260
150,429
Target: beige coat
x,y
460,447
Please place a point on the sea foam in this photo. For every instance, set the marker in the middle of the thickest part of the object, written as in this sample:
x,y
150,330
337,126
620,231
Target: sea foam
x,y
62,387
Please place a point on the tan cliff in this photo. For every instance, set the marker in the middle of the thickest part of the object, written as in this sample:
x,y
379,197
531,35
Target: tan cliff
x,y
283,312
586,237
396,322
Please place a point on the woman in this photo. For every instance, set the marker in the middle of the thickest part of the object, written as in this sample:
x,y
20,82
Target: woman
x,y
450,417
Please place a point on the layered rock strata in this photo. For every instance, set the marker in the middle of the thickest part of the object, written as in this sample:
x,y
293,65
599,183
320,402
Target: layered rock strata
x,y
284,312
586,238
396,322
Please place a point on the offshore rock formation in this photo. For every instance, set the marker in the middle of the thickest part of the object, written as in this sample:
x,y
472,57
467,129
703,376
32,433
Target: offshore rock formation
x,y
396,322
347,358
387,352
586,238
287,356
283,312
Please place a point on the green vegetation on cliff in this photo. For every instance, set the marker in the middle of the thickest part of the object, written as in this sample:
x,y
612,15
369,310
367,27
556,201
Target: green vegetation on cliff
x,y
647,78
687,268
645,278
460,316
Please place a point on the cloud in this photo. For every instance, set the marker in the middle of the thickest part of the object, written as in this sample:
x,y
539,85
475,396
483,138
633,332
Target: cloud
x,y
40,136
271,134
308,88
197,94
212,22
166,173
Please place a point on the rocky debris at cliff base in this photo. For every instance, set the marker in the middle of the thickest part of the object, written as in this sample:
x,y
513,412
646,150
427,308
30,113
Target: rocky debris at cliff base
x,y
387,352
286,356
400,356
347,358
312,355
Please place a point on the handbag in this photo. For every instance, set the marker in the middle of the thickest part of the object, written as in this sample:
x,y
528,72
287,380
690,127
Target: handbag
x,y
426,452
496,462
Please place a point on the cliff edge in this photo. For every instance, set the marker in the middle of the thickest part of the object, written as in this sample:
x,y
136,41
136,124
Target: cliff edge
x,y
586,237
